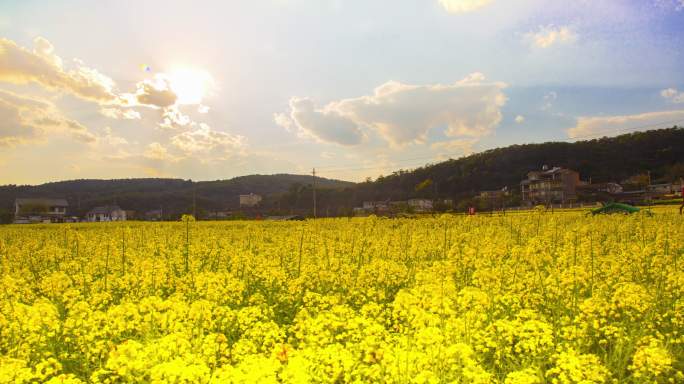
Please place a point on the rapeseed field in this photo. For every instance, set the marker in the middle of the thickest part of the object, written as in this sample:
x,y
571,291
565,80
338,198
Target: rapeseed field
x,y
534,297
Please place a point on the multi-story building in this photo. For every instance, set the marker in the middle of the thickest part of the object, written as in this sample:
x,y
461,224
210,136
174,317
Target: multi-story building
x,y
39,210
554,185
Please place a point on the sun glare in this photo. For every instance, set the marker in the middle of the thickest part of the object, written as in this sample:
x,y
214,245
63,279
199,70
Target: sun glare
x,y
190,85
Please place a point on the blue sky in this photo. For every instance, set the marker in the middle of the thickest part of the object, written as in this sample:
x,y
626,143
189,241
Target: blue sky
x,y
216,89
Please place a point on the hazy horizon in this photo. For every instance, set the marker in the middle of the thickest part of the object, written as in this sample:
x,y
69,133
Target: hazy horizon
x,y
215,90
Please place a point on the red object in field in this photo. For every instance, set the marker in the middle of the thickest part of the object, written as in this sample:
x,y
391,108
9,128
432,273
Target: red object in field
x,y
471,210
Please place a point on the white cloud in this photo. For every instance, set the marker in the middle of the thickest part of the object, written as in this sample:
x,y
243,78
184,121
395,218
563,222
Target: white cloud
x,y
590,127
119,155
78,131
462,6
673,95
547,36
204,140
174,119
284,121
19,65
15,126
110,139
24,119
402,113
324,124
42,66
159,93
520,119
156,151
155,92
120,113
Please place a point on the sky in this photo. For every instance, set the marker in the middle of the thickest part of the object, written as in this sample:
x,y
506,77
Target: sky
x,y
208,90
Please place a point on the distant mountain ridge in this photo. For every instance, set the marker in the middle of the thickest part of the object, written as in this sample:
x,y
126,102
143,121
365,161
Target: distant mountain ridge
x,y
174,196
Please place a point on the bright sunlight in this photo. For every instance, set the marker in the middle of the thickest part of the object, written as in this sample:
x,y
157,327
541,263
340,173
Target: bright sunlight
x,y
190,85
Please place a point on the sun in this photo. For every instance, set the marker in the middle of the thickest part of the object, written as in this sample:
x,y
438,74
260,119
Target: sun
x,y
189,85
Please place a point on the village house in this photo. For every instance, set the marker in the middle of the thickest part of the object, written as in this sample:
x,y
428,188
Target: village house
x,y
359,212
219,215
612,188
554,185
494,199
492,195
251,200
592,190
371,205
663,189
616,192
420,205
377,207
106,213
39,210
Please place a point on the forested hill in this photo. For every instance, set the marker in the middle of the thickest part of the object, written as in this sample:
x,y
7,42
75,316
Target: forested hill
x,y
175,196
660,152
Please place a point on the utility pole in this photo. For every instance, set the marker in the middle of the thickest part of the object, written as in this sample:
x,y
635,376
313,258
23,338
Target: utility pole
x,y
194,202
648,190
314,193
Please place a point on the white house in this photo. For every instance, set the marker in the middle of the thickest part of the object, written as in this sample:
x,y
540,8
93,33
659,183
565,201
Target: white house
x,y
251,200
106,213
420,205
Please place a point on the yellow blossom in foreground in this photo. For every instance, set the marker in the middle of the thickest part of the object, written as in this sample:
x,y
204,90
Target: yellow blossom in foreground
x,y
521,298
